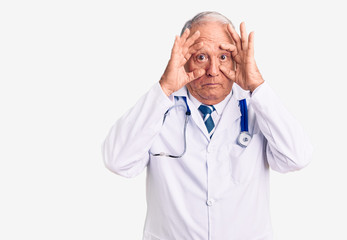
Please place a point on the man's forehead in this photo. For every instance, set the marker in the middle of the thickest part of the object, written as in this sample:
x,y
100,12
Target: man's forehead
x,y
212,32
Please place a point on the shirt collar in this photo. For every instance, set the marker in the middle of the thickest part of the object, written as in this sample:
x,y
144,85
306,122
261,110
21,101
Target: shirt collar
x,y
219,106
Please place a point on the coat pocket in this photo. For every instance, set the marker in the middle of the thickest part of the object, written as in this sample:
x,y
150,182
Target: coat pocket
x,y
246,162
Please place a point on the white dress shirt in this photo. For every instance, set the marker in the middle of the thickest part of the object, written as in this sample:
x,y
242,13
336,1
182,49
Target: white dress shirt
x,y
216,115
218,190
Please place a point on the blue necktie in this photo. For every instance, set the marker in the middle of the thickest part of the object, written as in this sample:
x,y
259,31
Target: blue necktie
x,y
206,111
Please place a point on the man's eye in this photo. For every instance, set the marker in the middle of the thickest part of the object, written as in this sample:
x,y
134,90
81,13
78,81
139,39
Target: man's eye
x,y
201,57
223,57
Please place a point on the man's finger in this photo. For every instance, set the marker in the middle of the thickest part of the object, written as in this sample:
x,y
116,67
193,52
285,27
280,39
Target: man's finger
x,y
195,74
175,46
196,47
251,45
229,47
193,49
228,72
191,40
184,36
235,36
233,49
244,37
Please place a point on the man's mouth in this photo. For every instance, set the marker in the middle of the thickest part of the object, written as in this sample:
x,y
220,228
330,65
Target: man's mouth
x,y
210,84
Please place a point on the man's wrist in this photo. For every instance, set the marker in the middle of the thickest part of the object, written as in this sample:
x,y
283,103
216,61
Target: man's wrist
x,y
165,90
253,87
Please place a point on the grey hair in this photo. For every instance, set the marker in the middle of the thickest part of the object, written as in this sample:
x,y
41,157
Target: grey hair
x,y
205,17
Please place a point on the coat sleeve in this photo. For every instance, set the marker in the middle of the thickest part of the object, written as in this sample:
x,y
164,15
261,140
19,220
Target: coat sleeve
x,y
126,148
287,146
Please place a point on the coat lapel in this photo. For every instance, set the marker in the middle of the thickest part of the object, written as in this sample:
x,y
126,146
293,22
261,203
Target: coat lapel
x,y
195,114
231,112
196,117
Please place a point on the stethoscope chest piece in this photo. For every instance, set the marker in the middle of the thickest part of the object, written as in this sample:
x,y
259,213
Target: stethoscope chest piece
x,y
244,139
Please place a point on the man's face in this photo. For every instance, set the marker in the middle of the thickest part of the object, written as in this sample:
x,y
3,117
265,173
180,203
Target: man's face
x,y
213,86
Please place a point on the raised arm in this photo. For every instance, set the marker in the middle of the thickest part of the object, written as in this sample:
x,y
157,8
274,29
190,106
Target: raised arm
x,y
126,148
288,147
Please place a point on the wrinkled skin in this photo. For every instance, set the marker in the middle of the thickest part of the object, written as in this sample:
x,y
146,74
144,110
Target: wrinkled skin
x,y
208,59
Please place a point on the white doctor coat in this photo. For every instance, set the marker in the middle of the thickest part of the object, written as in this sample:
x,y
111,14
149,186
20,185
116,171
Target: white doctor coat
x,y
218,190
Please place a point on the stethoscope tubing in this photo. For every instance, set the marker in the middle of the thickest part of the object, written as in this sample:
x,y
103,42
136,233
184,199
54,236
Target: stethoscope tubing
x,y
244,115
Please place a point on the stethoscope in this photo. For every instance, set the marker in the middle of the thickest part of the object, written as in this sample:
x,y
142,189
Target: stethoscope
x,y
243,139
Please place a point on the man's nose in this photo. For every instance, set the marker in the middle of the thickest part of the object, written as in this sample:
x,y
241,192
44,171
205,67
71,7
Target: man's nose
x,y
213,68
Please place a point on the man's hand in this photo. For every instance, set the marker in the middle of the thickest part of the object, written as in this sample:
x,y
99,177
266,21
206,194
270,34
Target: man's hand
x,y
246,73
175,76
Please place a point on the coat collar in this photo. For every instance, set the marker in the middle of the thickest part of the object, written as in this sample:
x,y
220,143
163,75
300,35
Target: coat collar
x,y
183,92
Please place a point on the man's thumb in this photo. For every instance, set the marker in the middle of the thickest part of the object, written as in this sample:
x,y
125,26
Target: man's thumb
x,y
196,74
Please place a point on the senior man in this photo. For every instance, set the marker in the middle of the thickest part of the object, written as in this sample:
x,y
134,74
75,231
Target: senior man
x,y
208,132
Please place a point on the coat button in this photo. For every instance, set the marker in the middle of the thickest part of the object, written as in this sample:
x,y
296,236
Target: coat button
x,y
210,202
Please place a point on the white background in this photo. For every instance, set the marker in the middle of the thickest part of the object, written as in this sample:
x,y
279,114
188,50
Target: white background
x,y
69,69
